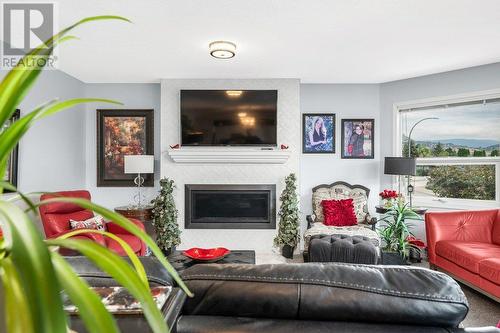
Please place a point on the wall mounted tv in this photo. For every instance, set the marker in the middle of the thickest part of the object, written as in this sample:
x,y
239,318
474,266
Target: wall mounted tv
x,y
229,117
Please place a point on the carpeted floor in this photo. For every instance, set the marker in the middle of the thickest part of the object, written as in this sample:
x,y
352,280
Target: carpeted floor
x,y
483,311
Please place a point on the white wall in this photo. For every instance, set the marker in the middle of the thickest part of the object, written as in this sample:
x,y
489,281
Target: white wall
x,y
346,101
133,96
51,154
288,133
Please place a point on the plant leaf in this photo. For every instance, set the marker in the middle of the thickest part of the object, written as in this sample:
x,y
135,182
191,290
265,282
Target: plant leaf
x,y
18,82
11,136
12,188
31,258
90,308
50,110
121,271
127,225
128,250
20,320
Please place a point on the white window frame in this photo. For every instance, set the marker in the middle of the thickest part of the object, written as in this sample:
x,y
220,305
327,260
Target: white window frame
x,y
448,203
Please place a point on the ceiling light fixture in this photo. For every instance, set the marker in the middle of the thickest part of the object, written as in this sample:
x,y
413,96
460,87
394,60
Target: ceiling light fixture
x,y
222,49
234,93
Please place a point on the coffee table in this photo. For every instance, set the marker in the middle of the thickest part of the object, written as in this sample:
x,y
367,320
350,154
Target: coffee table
x,y
180,262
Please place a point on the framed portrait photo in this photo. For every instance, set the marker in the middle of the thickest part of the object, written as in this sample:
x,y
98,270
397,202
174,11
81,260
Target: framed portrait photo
x,y
12,162
358,138
318,133
120,133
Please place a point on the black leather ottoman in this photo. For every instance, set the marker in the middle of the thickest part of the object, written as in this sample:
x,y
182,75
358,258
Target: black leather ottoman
x,y
342,248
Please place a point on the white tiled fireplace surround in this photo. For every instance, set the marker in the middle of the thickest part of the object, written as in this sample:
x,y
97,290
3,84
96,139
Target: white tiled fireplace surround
x,y
230,172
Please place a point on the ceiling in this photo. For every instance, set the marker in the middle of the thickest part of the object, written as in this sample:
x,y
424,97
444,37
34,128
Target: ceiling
x,y
330,41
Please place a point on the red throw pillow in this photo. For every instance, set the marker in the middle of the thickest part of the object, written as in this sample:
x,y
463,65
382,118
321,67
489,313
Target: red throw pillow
x,y
339,213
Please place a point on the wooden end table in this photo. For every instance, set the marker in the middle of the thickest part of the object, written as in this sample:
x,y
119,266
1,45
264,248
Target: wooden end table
x,y
143,214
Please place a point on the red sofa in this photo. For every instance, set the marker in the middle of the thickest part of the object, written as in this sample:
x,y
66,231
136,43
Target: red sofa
x,y
466,245
55,218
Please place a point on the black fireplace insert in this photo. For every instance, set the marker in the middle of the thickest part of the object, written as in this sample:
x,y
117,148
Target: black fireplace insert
x,y
230,207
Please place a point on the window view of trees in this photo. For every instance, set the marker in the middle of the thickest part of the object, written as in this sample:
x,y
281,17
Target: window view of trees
x,y
468,131
475,182
438,149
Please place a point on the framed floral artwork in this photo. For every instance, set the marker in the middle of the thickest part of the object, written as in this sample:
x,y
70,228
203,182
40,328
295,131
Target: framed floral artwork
x,y
11,174
358,138
120,133
318,133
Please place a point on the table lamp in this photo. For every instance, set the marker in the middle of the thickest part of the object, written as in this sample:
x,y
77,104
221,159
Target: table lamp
x,y
401,166
139,164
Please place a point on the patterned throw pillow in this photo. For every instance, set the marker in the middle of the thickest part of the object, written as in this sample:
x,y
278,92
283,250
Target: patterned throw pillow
x,y
339,213
96,222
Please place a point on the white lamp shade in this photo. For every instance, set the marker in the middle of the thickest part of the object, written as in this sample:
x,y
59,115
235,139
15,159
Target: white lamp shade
x,y
139,163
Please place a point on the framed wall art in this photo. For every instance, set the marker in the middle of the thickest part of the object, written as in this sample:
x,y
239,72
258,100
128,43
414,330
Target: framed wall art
x,y
318,133
358,138
120,133
11,174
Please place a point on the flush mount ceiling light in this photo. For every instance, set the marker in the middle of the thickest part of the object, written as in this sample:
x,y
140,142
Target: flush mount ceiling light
x,y
222,49
234,93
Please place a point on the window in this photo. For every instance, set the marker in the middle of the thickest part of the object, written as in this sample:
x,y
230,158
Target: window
x,y
457,145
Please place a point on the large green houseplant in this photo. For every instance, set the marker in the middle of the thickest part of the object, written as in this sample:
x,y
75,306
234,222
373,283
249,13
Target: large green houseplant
x,y
395,231
288,229
32,272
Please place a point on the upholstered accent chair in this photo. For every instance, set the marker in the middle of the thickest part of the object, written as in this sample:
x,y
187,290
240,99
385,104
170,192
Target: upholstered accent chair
x,y
337,191
56,216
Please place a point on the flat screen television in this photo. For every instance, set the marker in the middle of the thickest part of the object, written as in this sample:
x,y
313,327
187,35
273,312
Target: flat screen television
x,y
229,117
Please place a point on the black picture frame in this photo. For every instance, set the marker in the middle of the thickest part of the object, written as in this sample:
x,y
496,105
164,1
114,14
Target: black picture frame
x,y
123,180
347,155
331,131
13,162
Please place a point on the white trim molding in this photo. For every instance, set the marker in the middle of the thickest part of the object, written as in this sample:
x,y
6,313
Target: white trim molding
x,y
229,156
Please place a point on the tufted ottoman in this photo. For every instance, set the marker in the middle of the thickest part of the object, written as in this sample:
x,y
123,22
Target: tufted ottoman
x,y
342,248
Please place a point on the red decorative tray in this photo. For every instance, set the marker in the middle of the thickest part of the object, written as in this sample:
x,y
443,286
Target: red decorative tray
x,y
206,255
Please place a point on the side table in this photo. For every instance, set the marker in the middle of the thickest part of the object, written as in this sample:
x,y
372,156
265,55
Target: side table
x,y
382,210
130,321
143,214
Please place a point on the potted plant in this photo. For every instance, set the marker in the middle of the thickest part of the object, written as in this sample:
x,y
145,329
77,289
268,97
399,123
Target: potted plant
x,y
288,229
395,233
416,248
32,272
165,218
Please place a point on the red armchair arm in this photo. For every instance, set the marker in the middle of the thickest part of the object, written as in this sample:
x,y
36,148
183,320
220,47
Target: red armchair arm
x,y
116,229
98,238
466,226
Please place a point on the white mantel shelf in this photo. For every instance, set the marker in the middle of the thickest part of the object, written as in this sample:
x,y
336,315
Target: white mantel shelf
x,y
229,155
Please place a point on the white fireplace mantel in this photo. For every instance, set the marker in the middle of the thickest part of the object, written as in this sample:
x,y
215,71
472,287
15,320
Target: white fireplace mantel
x,y
229,155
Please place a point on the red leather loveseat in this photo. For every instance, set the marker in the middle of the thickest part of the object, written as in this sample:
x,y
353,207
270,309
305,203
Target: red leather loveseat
x,y
466,245
56,216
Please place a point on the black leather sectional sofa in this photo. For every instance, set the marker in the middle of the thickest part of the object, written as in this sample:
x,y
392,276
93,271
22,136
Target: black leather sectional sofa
x,y
310,297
